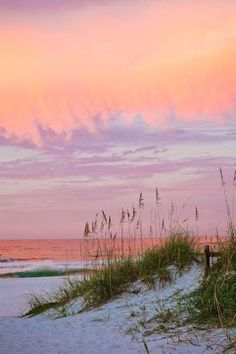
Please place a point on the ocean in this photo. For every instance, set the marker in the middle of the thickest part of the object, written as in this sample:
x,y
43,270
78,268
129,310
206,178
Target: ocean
x,y
34,258
27,258
41,257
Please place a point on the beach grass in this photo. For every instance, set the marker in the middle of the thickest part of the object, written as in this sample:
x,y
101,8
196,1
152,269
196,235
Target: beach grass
x,y
179,250
116,276
214,302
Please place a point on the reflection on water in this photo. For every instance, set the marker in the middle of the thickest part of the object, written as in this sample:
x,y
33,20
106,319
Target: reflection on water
x,y
17,255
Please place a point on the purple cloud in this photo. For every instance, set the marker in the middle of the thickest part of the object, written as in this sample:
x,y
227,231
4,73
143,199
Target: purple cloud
x,y
98,168
47,5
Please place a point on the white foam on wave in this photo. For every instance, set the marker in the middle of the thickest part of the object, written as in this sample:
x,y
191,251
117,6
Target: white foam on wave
x,y
17,266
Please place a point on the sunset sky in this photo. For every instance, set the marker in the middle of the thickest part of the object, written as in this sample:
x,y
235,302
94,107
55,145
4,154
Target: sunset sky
x,y
103,99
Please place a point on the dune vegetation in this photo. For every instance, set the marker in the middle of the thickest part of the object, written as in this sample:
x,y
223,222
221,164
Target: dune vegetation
x,y
212,303
116,276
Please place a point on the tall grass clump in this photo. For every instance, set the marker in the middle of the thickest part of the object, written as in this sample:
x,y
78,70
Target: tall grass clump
x,y
179,250
115,277
215,300
108,283
41,303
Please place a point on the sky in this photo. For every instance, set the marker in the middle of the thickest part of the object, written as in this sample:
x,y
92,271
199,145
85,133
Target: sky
x,y
103,100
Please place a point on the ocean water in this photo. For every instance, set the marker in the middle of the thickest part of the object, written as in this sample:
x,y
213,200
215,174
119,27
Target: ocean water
x,y
41,257
37,256
28,258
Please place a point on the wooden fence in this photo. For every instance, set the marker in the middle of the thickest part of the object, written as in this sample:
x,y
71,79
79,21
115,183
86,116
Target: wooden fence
x,y
208,254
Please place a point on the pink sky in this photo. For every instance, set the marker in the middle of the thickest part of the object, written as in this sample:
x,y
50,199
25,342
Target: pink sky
x,y
110,98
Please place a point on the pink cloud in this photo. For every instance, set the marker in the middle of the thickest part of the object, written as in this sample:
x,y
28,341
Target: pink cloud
x,y
62,70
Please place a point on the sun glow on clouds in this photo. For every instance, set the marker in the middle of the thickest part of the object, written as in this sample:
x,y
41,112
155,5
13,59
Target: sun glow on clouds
x,y
120,96
153,58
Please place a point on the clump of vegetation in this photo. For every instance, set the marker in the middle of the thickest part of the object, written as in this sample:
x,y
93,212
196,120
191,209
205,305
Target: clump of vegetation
x,y
63,296
178,251
213,302
116,276
215,299
109,282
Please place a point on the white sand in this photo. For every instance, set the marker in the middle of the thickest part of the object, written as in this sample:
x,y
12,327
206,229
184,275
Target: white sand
x,y
101,331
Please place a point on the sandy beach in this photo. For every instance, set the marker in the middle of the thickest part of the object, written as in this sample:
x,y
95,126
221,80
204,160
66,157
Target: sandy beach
x,y
109,329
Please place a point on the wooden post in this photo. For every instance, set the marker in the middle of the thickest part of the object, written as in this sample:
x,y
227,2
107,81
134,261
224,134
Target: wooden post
x,y
207,259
